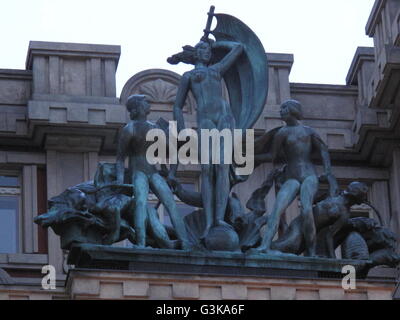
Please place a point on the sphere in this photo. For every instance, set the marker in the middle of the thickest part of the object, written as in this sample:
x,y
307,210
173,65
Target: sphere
x,y
355,247
222,238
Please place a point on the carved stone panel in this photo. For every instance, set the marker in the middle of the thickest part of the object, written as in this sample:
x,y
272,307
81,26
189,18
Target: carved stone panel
x,y
159,86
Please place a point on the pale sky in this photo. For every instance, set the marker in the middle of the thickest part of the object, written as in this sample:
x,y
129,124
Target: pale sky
x,y
322,34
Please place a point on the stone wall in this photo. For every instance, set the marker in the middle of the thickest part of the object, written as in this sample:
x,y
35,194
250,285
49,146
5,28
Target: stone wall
x,y
82,284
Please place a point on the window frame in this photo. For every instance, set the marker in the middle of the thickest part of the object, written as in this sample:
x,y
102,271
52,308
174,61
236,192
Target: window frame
x,y
20,214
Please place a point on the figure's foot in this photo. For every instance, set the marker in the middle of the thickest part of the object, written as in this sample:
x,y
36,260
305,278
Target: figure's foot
x,y
280,253
186,245
139,245
310,253
257,250
173,244
205,233
136,246
131,235
222,223
267,251
111,237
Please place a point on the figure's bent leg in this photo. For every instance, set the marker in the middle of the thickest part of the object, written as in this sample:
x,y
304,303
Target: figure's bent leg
x,y
115,226
292,240
127,232
164,193
141,191
308,189
285,197
158,230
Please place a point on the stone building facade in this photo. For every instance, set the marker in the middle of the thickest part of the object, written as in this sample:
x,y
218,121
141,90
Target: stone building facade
x,y
61,116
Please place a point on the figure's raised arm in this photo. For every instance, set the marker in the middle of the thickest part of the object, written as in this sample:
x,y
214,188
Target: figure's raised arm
x,y
122,153
236,50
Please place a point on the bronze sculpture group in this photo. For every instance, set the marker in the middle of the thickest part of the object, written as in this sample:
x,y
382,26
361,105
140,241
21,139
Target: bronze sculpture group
x,y
115,205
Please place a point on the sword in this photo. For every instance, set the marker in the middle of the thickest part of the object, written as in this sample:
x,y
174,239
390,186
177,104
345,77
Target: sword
x,y
207,30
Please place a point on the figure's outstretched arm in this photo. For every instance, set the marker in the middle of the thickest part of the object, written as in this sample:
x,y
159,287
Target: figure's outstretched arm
x,y
122,153
271,155
181,95
236,50
326,161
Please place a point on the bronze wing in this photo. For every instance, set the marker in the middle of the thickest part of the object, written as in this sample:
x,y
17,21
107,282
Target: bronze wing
x,y
247,80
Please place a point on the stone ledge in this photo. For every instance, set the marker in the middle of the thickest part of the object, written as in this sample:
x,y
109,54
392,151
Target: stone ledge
x,y
207,263
112,284
362,54
24,258
23,292
95,284
63,113
280,60
16,74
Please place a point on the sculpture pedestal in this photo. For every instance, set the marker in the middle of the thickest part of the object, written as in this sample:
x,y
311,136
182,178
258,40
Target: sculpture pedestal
x,y
207,263
104,272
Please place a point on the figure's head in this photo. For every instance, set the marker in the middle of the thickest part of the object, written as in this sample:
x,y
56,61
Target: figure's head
x,y
357,191
291,108
137,105
203,52
76,198
106,173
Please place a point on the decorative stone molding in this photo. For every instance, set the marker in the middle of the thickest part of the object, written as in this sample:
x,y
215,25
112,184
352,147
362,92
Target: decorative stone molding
x,y
15,157
73,143
159,91
91,284
26,292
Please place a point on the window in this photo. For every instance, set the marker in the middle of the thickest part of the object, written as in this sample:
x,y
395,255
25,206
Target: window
x,y
10,193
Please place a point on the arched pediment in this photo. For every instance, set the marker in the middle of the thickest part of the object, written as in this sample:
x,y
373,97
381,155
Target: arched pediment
x,y
159,86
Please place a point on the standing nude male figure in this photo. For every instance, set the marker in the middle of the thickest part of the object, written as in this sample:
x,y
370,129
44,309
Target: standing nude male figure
x,y
213,112
144,176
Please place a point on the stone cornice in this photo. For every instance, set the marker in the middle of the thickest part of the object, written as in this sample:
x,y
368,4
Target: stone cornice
x,y
280,60
362,54
374,17
316,88
72,50
15,74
